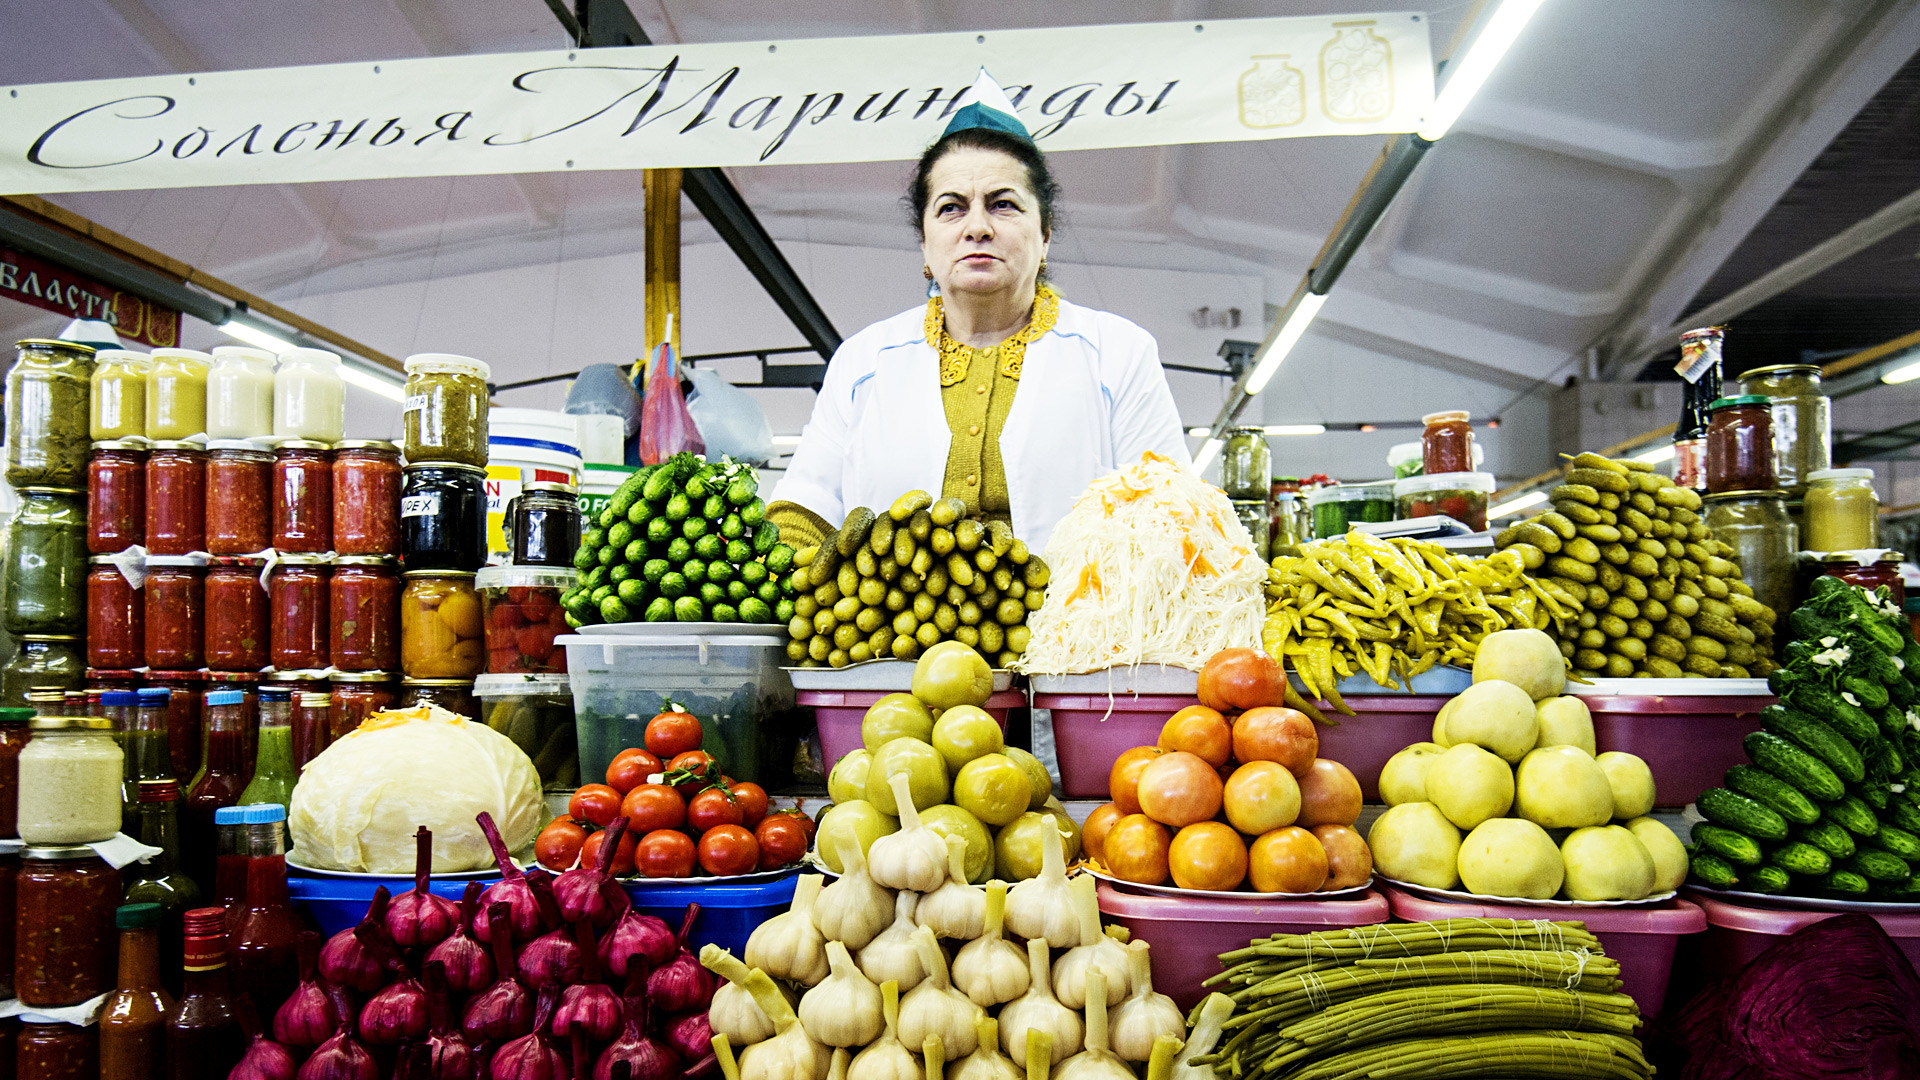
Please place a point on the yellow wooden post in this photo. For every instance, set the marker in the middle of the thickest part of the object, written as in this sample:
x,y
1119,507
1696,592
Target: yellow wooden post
x,y
662,188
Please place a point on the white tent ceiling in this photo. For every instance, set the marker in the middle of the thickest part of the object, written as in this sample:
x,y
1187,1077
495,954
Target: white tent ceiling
x,y
1616,158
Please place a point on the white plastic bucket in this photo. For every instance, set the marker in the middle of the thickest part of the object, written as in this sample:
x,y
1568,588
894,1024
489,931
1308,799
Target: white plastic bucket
x,y
597,485
525,446
603,439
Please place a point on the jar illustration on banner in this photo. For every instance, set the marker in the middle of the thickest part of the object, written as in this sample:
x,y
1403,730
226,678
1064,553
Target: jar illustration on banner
x,y
1356,74
1273,93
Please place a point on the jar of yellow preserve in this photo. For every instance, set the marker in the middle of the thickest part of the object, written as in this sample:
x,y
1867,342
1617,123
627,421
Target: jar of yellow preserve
x,y
1843,510
177,394
119,395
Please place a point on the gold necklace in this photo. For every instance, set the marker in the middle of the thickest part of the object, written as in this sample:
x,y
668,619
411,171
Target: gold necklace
x,y
956,357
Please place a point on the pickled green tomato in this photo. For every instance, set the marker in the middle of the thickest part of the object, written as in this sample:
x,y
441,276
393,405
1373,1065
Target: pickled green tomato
x,y
896,716
949,820
859,820
1039,784
1016,848
965,732
950,674
848,781
926,774
992,788
1069,828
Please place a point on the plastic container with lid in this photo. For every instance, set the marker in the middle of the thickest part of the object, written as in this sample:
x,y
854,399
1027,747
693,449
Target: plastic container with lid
x,y
543,525
1764,538
1446,446
1802,421
444,417
536,712
1842,510
1405,460
1740,444
70,774
176,498
240,393
117,496
366,497
522,613
177,393
43,590
309,397
1461,496
1337,508
47,413
119,395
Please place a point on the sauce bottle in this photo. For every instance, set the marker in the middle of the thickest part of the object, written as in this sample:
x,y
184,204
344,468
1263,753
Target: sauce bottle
x,y
133,1019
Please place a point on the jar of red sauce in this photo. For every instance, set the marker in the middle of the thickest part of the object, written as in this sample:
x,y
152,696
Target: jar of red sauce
x,y
65,946
176,498
365,613
359,694
366,497
183,719
302,496
116,618
175,623
1446,446
239,503
13,737
237,626
297,599
9,909
55,1051
1740,444
117,496
105,679
312,725
1869,569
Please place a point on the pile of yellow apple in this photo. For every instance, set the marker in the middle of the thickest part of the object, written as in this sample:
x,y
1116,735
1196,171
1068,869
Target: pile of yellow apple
x,y
1510,799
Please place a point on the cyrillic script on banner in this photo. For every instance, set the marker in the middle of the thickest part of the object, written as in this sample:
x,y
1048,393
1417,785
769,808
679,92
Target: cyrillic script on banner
x,y
737,103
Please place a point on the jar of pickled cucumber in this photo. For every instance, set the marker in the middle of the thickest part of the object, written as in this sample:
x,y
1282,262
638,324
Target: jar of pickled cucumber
x,y
47,414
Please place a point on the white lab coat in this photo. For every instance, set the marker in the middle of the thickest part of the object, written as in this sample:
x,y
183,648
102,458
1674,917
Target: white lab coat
x,y
1092,398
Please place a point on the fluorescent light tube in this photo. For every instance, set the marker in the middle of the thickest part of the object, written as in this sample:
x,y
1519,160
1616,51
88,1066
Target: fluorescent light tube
x,y
1514,506
253,335
354,375
1468,73
1296,429
1199,432
1205,457
1902,374
1655,457
786,440
1290,333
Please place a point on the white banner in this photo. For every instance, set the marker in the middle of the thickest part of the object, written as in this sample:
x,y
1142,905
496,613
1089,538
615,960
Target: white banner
x,y
738,103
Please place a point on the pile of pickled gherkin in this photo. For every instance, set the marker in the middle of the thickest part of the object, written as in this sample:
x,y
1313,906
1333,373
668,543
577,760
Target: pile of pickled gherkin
x,y
921,572
686,540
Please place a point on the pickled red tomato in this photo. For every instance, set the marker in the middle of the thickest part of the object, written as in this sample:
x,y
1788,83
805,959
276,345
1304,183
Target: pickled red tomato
x,y
522,623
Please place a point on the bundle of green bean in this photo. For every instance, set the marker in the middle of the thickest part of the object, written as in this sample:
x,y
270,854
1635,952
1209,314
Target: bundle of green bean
x,y
918,573
1458,998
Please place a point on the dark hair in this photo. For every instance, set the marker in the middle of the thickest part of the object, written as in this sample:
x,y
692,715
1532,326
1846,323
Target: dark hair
x,y
1039,177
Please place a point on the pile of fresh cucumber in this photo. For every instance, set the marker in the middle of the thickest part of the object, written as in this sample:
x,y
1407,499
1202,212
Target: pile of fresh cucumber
x,y
686,540
1830,805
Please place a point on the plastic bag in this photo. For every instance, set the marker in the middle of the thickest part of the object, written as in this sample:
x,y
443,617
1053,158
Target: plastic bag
x,y
731,422
603,390
666,427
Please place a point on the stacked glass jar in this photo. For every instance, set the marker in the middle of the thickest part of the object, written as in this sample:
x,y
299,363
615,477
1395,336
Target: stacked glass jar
x,y
43,591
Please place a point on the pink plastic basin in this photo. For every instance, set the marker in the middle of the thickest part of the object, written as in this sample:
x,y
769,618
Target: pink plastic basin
x,y
1091,730
1737,933
838,714
1188,934
1382,726
1643,939
1688,742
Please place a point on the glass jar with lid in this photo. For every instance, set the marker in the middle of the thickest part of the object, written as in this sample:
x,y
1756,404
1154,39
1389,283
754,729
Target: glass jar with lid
x,y
445,413
303,496
440,626
1802,421
358,695
1867,568
119,395
14,736
1740,445
44,587
1246,464
312,723
298,600
365,613
49,661
116,617
543,525
443,517
175,616
177,394
47,414
176,498
65,949
240,393
454,695
239,497
366,497
70,772
117,496
236,615
57,1050
1252,513
309,397
1446,446
1842,510
1764,539
521,609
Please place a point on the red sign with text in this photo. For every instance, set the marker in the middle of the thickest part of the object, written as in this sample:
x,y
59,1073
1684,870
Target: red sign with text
x,y
55,288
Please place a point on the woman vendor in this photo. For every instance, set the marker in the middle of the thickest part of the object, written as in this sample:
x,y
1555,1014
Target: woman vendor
x,y
997,392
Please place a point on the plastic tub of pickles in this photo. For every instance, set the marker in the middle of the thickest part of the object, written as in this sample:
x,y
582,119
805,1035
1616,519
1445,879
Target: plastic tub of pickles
x,y
536,713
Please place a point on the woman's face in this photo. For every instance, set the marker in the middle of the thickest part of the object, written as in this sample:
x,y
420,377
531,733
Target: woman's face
x,y
982,229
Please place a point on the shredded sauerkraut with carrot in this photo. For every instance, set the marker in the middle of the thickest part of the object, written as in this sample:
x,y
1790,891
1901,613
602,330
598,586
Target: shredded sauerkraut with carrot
x,y
1149,567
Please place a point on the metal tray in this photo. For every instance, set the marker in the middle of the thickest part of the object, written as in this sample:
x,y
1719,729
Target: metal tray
x,y
1670,688
1455,896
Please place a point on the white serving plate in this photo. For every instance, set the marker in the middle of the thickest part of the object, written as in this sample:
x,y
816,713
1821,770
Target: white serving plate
x,y
1455,896
1670,688
883,675
1246,896
1780,902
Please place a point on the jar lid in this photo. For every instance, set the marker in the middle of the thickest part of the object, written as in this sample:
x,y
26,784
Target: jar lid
x,y
1783,369
120,356
300,675
381,445
275,693
443,684
499,577
136,917
1247,429
53,343
1861,556
518,685
130,443
109,674
195,560
70,723
437,363
1446,417
302,444
249,561
1350,493
181,354
305,558
1476,482
216,698
152,695
1818,475
307,699
445,466
241,352
364,676
37,490
176,676
241,446
1242,506
1726,496
556,486
235,677
262,813
226,815
113,699
175,444
1739,399
15,715
50,637
365,560
58,852
422,575
316,356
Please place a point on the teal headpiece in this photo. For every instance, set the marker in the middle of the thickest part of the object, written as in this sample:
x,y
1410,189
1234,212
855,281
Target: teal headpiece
x,y
989,109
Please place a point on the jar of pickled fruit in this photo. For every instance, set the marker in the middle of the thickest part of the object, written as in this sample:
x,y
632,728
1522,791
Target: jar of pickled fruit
x,y
522,613
116,617
358,695
237,626
117,496
175,611
297,598
176,499
366,613
366,497
303,496
239,502
440,626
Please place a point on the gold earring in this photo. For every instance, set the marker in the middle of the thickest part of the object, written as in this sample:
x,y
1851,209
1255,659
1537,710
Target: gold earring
x,y
926,272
